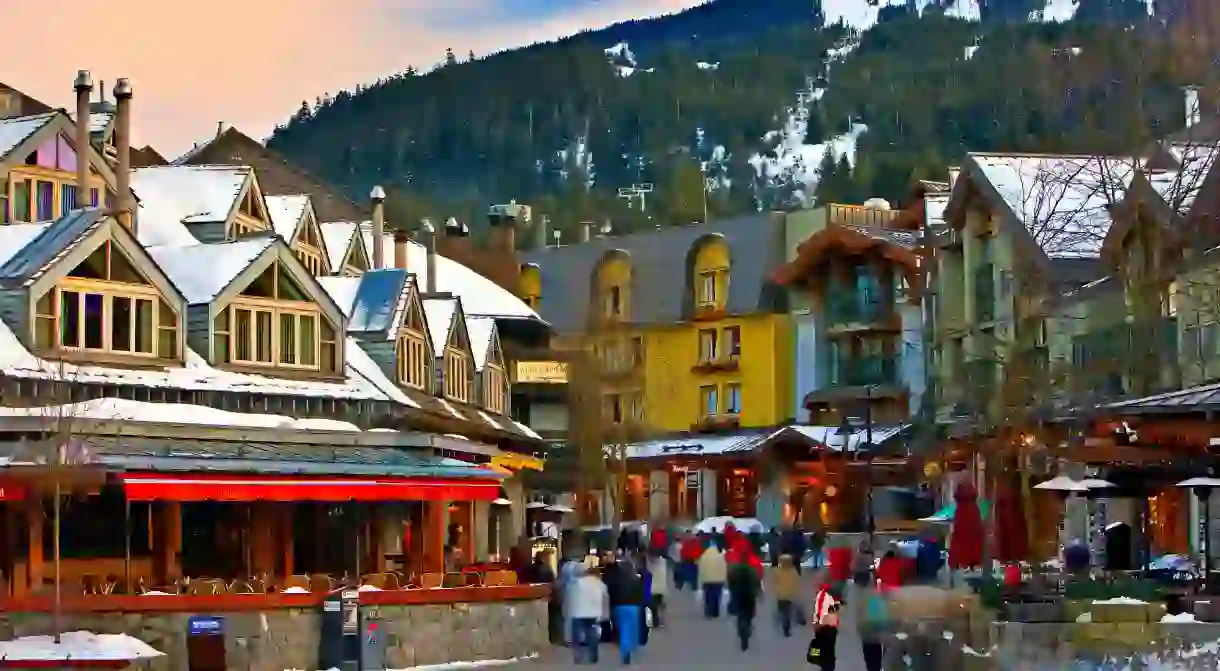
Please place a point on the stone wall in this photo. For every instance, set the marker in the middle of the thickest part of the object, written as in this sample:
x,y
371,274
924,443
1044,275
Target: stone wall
x,y
288,638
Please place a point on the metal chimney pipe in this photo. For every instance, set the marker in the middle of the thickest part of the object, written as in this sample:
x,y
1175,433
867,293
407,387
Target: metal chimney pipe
x,y
84,91
122,145
377,195
429,232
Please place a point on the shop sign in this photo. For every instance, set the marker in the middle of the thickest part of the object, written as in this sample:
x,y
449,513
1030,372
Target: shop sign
x,y
542,372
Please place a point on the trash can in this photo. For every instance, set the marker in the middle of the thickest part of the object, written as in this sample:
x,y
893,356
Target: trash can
x,y
339,643
205,643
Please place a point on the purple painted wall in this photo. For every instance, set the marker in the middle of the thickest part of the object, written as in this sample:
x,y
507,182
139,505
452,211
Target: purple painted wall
x,y
56,154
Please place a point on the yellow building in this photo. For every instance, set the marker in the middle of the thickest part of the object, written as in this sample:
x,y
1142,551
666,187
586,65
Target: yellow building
x,y
694,337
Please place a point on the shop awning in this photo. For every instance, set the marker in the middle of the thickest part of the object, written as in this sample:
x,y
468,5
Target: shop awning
x,y
197,487
517,462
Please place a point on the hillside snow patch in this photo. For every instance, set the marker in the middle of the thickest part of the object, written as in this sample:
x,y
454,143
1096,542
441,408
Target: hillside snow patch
x,y
862,15
795,161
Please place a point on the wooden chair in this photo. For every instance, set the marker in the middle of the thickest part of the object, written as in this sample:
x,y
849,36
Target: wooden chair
x,y
241,587
432,580
207,586
320,582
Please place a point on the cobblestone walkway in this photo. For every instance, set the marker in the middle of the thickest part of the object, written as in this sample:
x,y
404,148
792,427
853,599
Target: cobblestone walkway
x,y
690,641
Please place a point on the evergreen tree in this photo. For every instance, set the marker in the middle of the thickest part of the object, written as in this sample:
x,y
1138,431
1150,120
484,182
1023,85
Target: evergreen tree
x,y
450,59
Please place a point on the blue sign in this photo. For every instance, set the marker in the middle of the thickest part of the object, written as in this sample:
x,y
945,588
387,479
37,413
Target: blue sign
x,y
205,625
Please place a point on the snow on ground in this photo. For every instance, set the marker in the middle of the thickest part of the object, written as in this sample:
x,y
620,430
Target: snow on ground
x,y
77,645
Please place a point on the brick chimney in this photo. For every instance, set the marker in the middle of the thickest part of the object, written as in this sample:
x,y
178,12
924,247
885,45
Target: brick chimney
x,y
503,220
377,196
428,231
401,240
84,91
454,242
122,145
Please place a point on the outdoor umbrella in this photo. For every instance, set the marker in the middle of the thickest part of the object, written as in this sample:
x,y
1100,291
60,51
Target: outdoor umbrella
x,y
966,541
1012,540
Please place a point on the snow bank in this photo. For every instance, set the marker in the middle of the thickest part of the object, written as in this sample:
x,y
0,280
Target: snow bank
x,y
79,645
122,409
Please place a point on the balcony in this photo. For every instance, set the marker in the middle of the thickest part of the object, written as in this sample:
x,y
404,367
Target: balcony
x,y
858,215
984,293
865,370
843,309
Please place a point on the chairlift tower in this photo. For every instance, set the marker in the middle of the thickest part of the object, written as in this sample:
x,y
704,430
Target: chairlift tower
x,y
636,192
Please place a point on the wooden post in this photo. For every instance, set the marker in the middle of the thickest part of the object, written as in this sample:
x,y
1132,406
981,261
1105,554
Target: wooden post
x,y
434,536
262,537
284,524
35,521
168,542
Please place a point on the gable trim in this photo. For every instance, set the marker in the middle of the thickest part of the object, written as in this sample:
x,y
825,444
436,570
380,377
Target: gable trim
x,y
459,322
278,250
356,245
976,179
409,301
61,124
77,251
310,218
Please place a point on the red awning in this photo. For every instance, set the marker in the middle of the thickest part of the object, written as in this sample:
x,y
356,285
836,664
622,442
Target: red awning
x,y
14,492
196,487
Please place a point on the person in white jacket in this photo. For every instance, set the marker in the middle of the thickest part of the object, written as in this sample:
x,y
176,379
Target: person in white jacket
x,y
713,572
590,604
658,566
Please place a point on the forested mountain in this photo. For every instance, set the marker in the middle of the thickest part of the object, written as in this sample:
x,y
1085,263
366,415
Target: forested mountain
x,y
760,104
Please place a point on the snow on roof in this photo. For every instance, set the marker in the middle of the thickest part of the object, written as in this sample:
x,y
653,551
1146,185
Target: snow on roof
x,y
98,121
285,213
171,413
14,238
77,646
202,271
480,330
439,314
194,375
337,236
480,296
171,195
362,365
1063,201
18,129
1178,188
342,291
934,207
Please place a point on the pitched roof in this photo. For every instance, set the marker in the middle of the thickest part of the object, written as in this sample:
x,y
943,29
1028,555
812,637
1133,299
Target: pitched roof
x,y
276,174
482,331
172,196
53,240
337,236
662,262
27,105
439,312
379,302
342,291
1061,201
286,212
202,271
16,130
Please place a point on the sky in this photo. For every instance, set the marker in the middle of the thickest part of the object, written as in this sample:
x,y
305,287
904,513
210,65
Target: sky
x,y
250,63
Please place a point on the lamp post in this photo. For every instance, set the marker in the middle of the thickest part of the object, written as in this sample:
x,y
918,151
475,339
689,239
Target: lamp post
x,y
1202,489
846,430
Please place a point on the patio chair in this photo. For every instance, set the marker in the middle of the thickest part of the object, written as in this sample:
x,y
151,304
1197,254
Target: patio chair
x,y
241,587
320,582
206,586
432,580
299,580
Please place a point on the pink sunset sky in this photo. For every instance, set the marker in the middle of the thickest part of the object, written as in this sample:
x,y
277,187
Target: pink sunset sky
x,y
250,63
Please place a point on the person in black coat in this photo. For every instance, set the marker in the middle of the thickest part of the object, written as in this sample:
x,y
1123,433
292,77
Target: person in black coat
x,y
744,587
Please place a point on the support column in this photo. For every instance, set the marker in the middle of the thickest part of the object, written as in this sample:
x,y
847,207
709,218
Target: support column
x,y
168,542
709,485
284,525
35,522
434,536
514,530
658,495
479,527
262,539
772,495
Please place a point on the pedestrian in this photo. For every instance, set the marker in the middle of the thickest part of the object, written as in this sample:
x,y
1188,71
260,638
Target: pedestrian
x,y
862,564
822,649
872,620
589,603
744,587
646,598
817,543
785,586
564,585
889,570
659,589
626,606
713,572
692,550
797,547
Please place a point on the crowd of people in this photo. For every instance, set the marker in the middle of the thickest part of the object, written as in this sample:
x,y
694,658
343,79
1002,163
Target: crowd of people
x,y
618,596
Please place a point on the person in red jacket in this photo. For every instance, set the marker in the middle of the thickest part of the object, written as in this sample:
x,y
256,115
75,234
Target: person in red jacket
x,y
743,553
688,571
889,571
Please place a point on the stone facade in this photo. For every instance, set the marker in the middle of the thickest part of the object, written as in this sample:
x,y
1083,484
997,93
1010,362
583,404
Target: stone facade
x,y
276,640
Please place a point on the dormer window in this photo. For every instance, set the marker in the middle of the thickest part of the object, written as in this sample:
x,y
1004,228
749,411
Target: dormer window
x,y
309,249
495,390
414,361
457,375
272,323
105,305
251,214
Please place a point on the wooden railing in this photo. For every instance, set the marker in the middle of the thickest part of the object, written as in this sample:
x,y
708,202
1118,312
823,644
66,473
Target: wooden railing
x,y
859,215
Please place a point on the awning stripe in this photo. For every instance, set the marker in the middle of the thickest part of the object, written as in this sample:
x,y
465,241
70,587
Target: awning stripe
x,y
252,488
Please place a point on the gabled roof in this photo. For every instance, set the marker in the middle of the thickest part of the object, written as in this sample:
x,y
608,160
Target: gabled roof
x,y
380,302
482,332
1058,202
893,244
15,131
286,213
202,272
441,312
28,105
662,263
54,238
172,196
338,237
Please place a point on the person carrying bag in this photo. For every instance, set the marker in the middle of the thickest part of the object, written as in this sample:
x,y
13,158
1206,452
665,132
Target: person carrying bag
x,y
825,637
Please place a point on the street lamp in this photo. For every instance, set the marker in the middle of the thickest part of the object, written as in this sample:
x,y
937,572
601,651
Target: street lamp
x,y
846,430
1202,489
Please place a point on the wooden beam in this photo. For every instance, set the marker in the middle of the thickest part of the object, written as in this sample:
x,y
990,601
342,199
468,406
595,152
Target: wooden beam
x,y
434,536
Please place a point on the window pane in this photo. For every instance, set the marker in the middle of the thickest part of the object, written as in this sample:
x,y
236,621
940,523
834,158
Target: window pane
x,y
167,316
93,197
220,348
263,335
46,201
94,321
69,325
308,339
330,358
221,323
44,332
46,304
288,338
243,344
167,343
67,198
144,326
21,200
120,324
